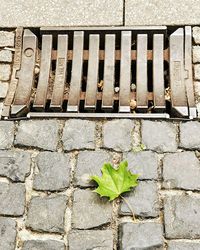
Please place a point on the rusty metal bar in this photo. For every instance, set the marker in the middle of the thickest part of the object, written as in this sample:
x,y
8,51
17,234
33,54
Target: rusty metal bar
x,y
61,72
42,88
189,77
117,55
177,72
141,72
92,77
16,66
77,66
26,80
109,72
125,72
158,72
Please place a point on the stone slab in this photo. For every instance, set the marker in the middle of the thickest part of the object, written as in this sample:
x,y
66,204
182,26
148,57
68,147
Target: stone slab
x,y
165,12
7,233
6,134
182,216
89,163
143,200
71,13
46,214
15,165
89,210
183,245
91,239
12,197
143,236
53,171
144,163
181,170
43,245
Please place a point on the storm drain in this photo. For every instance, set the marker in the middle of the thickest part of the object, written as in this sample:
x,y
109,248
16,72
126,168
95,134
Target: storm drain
x,y
102,72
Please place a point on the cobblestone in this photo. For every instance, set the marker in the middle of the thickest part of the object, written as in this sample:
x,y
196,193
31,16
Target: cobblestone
x,y
7,39
46,214
12,197
183,245
79,134
89,210
143,235
182,216
54,171
15,165
91,239
144,200
5,71
196,54
38,133
117,134
189,132
181,170
159,136
196,34
7,233
197,71
144,163
3,89
197,89
5,56
43,245
6,134
89,163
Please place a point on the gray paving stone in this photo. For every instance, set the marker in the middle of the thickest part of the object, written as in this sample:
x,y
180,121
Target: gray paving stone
x,y
117,134
89,163
43,245
182,216
197,71
38,133
189,135
46,214
71,13
196,34
3,89
183,245
15,165
91,239
7,38
197,89
7,233
5,71
143,235
5,56
196,54
79,134
12,197
159,136
89,210
54,171
168,12
181,170
6,134
143,200
144,163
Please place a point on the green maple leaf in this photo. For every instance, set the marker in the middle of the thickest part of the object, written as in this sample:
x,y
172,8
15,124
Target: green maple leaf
x,y
114,182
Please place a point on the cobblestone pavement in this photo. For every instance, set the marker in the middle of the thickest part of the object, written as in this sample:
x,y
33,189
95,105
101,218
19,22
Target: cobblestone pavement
x,y
46,196
46,199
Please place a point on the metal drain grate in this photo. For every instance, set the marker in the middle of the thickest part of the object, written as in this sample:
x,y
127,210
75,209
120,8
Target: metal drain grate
x,y
118,72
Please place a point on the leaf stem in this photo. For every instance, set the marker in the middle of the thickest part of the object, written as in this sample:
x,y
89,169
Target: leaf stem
x,y
129,206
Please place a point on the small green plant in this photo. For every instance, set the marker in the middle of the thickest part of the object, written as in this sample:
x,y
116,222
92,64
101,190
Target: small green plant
x,y
115,182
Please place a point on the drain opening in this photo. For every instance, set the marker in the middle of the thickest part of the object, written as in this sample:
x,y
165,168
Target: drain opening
x,y
126,71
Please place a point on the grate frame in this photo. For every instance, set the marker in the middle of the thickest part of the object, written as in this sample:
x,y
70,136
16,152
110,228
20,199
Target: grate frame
x,y
132,55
